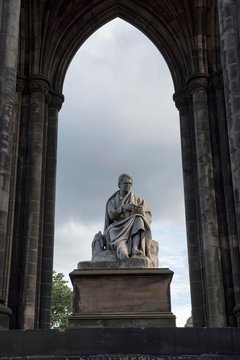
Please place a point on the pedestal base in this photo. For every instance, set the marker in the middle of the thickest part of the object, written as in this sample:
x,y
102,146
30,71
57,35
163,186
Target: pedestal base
x,y
121,298
5,316
120,320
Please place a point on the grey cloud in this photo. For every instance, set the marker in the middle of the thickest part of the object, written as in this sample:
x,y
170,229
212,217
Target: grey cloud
x,y
89,175
118,117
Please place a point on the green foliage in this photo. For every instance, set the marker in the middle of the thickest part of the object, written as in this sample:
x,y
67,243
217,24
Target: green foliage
x,y
61,302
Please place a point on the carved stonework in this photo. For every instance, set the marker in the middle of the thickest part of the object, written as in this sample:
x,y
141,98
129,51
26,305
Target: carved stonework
x,y
56,99
182,100
20,84
39,84
198,82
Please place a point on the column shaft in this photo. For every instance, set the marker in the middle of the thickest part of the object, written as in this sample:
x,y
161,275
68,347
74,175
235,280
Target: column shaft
x,y
9,33
220,158
207,205
13,182
49,212
229,197
32,230
191,209
230,51
18,248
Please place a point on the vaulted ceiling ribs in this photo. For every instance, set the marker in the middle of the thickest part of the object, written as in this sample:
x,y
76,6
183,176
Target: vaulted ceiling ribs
x,y
55,29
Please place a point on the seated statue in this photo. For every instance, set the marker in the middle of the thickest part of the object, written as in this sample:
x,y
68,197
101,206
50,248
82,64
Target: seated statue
x,y
127,222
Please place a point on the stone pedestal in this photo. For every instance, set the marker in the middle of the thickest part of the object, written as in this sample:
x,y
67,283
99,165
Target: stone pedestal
x,y
5,315
121,298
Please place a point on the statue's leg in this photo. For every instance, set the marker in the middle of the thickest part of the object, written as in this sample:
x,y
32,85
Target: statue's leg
x,y
136,241
122,251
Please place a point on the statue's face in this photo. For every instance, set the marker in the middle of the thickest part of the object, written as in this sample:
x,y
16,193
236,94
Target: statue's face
x,y
125,185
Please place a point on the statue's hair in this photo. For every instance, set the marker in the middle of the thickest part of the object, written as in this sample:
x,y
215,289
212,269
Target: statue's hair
x,y
121,177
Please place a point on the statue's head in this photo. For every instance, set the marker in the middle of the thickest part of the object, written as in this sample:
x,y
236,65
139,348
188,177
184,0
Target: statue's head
x,y
122,178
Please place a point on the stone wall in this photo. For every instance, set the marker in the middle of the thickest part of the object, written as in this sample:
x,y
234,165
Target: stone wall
x,y
121,344
130,357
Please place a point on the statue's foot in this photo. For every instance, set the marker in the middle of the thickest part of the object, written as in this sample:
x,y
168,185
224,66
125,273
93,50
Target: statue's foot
x,y
137,252
123,256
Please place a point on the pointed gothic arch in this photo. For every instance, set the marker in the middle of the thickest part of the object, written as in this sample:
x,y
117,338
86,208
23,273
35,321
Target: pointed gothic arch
x,y
189,35
169,27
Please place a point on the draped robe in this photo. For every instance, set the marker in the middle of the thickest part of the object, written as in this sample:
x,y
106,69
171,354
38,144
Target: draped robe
x,y
118,231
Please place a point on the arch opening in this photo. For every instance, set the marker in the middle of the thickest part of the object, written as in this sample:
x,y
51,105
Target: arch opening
x,y
119,117
170,39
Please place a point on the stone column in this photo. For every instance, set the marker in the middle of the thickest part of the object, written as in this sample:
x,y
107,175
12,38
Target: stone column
x,y
230,50
234,272
229,25
11,208
183,103
38,89
223,188
9,33
207,204
54,105
19,216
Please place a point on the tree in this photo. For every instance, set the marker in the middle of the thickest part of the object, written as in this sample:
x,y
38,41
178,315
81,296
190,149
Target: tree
x,y
61,306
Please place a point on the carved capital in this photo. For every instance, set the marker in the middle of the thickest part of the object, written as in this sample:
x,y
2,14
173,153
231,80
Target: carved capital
x,y
182,100
198,82
55,99
39,84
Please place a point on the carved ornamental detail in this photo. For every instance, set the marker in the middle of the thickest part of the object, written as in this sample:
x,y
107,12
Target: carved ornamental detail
x,y
55,99
182,100
20,84
198,82
39,84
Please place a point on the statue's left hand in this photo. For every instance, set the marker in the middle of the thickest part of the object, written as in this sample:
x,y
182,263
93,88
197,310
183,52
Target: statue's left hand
x,y
140,210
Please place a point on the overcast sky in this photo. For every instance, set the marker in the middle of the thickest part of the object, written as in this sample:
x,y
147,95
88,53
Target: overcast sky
x,y
119,117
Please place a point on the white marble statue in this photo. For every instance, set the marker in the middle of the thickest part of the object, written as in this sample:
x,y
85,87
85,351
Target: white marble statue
x,y
126,241
127,222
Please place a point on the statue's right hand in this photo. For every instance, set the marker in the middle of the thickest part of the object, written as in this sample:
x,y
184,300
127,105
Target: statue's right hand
x,y
127,207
